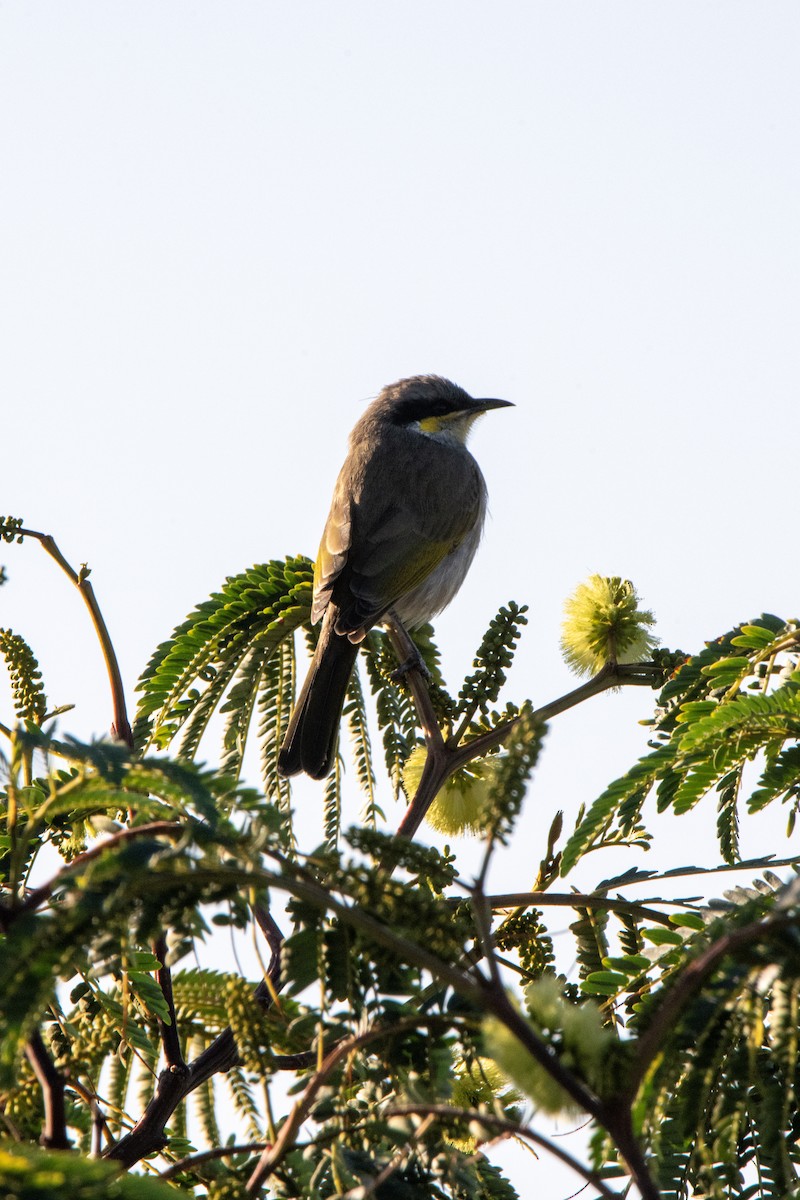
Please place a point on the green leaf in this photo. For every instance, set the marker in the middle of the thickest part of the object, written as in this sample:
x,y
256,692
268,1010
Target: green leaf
x,y
688,920
726,667
662,937
754,637
605,983
629,964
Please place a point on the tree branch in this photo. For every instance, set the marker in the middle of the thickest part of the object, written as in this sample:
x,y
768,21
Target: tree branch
x,y
120,726
196,1160
174,1083
579,900
444,758
37,896
54,1130
170,1038
179,1078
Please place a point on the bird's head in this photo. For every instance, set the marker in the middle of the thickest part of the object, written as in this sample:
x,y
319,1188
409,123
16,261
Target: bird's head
x,y
432,406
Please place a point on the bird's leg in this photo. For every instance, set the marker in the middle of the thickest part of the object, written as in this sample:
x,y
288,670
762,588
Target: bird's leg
x,y
408,654
411,665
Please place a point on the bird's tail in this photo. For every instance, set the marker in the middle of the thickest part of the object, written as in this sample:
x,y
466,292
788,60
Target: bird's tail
x,y
310,741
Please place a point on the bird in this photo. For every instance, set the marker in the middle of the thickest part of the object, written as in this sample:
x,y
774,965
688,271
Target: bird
x,y
405,521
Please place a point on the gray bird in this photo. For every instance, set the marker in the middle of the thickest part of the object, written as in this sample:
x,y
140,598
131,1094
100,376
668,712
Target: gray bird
x,y
405,522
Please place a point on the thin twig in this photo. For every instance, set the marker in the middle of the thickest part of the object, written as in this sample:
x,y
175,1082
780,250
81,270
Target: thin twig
x,y
196,1160
120,726
274,939
98,1127
37,896
578,900
501,1125
483,922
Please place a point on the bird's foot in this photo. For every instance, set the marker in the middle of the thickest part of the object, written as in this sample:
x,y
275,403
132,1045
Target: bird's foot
x,y
414,662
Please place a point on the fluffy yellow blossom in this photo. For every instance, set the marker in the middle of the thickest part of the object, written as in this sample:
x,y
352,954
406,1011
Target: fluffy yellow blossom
x,y
603,623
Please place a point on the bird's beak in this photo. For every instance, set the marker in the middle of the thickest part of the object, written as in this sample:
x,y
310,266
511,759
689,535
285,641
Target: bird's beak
x,y
485,405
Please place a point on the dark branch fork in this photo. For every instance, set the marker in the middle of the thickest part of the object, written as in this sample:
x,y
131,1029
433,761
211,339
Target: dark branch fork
x,y
445,758
179,1078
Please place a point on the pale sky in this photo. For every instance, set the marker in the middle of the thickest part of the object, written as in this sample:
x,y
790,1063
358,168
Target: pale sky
x,y
224,226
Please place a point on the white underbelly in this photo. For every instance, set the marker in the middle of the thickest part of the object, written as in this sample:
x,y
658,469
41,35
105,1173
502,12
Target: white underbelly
x,y
438,589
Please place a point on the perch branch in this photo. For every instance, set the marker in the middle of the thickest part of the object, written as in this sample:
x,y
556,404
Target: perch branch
x,y
443,759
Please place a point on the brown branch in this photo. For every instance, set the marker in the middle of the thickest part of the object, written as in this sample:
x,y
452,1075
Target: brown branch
x,y
99,1127
170,1038
444,758
196,1160
619,1123
274,939
174,1084
501,1007
181,1078
54,1130
614,1117
120,726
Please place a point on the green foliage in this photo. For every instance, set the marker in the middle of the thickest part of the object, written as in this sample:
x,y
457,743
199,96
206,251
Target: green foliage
x,y
392,972
230,641
11,529
492,660
727,1072
512,771
393,705
27,1173
355,713
528,935
719,712
27,688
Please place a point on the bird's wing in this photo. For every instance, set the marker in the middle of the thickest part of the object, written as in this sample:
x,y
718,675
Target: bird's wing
x,y
396,544
333,551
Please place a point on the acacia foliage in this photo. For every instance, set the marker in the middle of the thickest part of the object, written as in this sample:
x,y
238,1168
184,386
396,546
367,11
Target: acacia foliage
x,y
393,978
